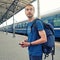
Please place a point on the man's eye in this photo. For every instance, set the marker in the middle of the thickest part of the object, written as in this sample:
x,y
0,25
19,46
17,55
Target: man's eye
x,y
27,9
30,9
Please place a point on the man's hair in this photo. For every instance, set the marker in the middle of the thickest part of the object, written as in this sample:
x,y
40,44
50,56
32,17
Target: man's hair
x,y
29,5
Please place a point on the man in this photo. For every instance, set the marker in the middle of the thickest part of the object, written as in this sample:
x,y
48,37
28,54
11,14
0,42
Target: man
x,y
34,42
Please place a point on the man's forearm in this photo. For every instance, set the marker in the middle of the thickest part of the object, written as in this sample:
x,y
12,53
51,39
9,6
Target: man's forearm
x,y
39,41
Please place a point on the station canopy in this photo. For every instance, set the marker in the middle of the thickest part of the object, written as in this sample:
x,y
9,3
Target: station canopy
x,y
10,7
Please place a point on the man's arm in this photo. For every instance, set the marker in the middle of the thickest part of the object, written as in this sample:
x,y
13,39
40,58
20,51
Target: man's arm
x,y
43,38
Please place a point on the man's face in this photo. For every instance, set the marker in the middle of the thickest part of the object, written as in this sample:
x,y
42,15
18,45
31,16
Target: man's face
x,y
29,11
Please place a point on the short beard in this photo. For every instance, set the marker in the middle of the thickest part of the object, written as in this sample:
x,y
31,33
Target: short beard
x,y
30,16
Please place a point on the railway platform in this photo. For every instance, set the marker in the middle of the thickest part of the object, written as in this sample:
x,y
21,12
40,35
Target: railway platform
x,y
11,50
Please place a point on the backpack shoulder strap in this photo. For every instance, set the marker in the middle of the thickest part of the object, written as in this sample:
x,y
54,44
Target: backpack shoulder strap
x,y
34,23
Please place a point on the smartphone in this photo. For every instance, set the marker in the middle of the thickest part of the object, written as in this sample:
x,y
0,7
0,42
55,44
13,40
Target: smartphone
x,y
20,44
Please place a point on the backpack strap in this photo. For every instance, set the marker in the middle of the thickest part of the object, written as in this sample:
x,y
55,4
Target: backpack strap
x,y
34,23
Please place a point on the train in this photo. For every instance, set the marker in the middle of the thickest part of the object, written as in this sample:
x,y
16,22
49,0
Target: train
x,y
20,28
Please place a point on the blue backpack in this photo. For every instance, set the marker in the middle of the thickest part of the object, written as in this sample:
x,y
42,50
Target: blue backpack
x,y
49,46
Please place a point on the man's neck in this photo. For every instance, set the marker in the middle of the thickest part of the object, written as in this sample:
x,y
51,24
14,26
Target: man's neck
x,y
31,19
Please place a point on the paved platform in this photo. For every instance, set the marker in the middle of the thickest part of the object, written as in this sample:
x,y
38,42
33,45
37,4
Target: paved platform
x,y
10,50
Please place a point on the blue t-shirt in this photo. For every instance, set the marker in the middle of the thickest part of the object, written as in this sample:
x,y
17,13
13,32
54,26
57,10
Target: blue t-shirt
x,y
34,50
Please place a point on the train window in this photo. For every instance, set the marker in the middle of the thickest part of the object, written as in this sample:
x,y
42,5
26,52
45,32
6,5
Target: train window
x,y
45,20
26,23
23,25
56,21
19,25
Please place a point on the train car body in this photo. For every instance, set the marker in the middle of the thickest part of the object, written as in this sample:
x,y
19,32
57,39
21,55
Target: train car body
x,y
20,28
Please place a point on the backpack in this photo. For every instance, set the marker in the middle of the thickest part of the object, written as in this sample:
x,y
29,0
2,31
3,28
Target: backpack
x,y
49,46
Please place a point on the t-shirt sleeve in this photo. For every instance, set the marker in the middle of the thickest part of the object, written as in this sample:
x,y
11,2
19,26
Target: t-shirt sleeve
x,y
39,25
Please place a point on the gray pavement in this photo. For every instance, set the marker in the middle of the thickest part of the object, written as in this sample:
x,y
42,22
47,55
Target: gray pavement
x,y
10,50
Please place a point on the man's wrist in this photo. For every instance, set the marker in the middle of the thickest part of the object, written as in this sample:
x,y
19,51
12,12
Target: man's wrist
x,y
30,43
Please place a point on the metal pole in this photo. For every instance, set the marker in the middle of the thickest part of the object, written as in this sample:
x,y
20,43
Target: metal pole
x,y
13,27
14,5
6,20
6,28
38,7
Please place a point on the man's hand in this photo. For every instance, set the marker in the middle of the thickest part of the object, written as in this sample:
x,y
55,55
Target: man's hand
x,y
24,44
